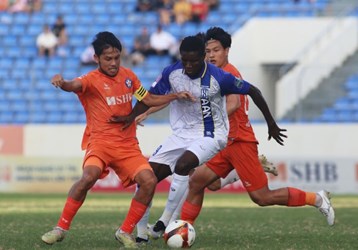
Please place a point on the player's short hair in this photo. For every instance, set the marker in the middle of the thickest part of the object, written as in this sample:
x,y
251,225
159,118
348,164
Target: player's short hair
x,y
192,44
104,40
217,33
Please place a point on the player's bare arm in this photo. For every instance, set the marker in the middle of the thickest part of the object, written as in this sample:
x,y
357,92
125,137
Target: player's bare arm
x,y
232,103
150,100
66,85
273,129
142,117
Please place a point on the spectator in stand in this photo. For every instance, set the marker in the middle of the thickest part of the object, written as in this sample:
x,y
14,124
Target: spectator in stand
x,y
165,10
87,56
4,5
34,5
24,5
144,5
212,4
141,48
199,10
46,42
182,11
59,29
162,41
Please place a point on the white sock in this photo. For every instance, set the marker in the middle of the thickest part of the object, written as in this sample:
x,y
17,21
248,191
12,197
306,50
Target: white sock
x,y
177,211
177,189
142,231
230,178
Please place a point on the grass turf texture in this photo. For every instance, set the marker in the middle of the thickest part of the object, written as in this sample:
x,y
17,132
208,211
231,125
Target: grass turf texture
x,y
227,221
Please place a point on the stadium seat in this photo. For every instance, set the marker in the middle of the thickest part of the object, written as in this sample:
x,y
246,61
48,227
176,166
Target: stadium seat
x,y
21,117
54,117
37,117
6,117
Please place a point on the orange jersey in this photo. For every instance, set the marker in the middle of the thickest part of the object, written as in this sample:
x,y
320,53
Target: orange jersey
x,y
240,126
103,96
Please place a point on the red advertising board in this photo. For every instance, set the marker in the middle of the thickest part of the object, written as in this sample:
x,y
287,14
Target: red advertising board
x,y
11,140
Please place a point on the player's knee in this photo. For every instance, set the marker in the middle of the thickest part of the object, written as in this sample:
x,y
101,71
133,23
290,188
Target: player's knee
x,y
86,182
195,185
182,168
149,184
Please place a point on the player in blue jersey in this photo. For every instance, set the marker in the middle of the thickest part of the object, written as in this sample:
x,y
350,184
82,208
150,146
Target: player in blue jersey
x,y
200,129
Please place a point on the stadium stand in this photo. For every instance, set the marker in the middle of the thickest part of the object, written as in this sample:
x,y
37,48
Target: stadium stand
x,y
25,91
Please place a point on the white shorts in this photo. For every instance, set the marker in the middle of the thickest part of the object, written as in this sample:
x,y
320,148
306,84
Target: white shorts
x,y
173,147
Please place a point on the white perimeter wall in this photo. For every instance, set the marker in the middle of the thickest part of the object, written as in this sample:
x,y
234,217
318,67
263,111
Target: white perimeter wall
x,y
315,156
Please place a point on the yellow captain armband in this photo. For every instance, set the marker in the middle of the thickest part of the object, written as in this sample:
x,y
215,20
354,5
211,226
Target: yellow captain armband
x,y
140,93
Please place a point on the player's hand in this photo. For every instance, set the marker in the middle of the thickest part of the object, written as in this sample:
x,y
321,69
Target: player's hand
x,y
126,121
57,81
140,118
186,95
276,133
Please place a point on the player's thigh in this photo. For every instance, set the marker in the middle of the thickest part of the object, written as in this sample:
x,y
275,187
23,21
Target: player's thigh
x,y
244,158
220,163
206,148
161,171
129,166
169,152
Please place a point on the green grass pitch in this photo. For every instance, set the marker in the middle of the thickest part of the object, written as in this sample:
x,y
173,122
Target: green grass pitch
x,y
227,221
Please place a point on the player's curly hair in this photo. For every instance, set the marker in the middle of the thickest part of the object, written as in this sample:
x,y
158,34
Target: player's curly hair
x,y
192,44
217,33
104,40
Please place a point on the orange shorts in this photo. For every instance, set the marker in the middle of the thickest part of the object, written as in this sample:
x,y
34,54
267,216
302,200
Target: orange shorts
x,y
242,156
126,160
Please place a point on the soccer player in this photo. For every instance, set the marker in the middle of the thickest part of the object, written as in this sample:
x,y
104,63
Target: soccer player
x,y
241,155
200,129
104,92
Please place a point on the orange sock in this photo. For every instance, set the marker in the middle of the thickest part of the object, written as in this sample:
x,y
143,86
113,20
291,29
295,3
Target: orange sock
x,y
68,212
296,197
310,198
190,212
135,213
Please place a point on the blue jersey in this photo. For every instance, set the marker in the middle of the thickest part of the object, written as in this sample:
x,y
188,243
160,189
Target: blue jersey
x,y
207,116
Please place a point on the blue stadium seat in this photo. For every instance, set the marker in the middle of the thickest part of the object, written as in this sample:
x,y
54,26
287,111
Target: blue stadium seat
x,y
99,8
19,105
4,73
37,117
4,105
4,29
18,29
13,51
21,18
37,18
70,117
54,117
343,104
34,30
50,7
6,117
28,40
6,63
9,40
21,117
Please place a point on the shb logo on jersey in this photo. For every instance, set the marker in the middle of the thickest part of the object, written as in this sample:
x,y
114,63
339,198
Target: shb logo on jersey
x,y
106,87
128,83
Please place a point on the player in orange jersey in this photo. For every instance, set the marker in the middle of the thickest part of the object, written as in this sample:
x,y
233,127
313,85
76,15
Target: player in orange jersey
x,y
105,92
242,154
